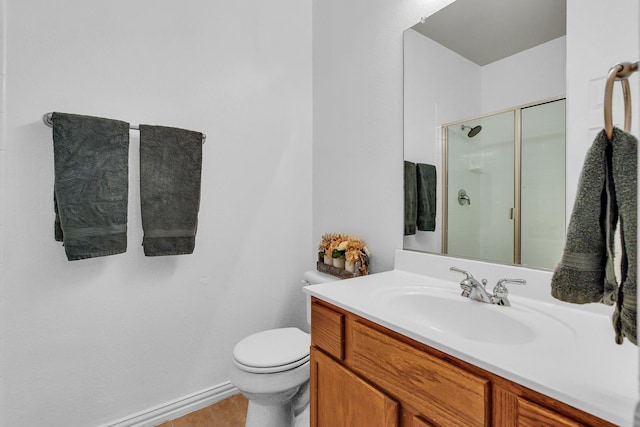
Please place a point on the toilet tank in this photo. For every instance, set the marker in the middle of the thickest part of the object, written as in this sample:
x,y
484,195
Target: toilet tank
x,y
314,277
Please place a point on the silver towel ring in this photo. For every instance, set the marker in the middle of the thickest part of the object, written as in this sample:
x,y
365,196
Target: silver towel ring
x,y
620,71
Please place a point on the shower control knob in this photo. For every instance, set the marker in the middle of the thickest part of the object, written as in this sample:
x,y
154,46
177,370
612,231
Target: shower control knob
x,y
463,198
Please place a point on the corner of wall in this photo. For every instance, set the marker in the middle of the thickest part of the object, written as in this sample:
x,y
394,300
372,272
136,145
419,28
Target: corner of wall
x,y
3,67
3,75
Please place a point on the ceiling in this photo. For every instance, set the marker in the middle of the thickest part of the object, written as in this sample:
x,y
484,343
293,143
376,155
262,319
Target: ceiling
x,y
485,31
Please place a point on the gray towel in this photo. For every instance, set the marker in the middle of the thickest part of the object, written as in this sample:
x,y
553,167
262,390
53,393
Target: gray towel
x,y
585,273
410,198
625,174
91,162
607,191
170,173
426,189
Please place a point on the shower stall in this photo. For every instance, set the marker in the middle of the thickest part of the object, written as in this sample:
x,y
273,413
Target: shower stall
x,y
504,186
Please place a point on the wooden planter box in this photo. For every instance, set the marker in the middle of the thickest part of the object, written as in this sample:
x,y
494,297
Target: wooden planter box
x,y
335,271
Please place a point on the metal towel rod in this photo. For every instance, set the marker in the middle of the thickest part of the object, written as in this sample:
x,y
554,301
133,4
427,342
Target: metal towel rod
x,y
49,122
620,71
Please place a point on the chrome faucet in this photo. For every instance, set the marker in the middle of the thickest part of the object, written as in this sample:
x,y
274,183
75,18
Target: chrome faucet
x,y
475,290
500,291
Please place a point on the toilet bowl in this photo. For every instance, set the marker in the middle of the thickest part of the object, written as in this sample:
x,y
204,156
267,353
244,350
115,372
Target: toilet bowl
x,y
271,369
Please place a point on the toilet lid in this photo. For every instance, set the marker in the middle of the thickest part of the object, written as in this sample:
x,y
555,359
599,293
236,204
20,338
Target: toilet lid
x,y
274,350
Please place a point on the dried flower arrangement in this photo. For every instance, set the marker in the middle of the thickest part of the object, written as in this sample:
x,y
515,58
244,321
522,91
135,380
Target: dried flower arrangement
x,y
330,243
351,249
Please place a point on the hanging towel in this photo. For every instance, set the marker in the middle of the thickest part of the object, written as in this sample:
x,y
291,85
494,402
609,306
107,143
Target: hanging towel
x,y
410,198
170,174
585,272
91,165
625,174
426,189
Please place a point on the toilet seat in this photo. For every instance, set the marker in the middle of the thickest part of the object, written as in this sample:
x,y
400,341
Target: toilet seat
x,y
271,351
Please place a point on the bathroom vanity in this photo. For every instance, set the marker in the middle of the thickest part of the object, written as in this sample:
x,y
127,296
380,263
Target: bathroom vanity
x,y
403,348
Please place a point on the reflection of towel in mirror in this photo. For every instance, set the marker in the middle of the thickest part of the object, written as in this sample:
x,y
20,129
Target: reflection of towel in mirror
x,y
170,175
426,178
625,174
410,198
91,184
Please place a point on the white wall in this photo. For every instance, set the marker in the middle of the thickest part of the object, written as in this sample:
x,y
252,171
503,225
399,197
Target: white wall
x,y
531,75
87,342
357,119
590,54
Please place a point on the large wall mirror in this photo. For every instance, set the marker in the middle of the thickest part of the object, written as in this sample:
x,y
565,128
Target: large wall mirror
x,y
484,131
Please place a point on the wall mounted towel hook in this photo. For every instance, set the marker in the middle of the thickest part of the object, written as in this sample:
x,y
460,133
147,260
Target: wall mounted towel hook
x,y
620,71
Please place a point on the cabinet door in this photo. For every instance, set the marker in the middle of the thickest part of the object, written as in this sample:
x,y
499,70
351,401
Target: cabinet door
x,y
342,399
533,415
445,394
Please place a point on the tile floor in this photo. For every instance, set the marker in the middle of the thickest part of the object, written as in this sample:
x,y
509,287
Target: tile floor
x,y
230,412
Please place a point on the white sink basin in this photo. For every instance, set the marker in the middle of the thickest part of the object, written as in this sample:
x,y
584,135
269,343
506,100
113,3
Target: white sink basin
x,y
445,311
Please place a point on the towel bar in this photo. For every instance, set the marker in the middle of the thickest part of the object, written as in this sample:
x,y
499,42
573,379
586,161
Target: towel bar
x,y
49,122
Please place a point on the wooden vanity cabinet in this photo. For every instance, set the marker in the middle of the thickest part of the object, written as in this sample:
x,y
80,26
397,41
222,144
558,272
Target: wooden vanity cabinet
x,y
343,399
364,375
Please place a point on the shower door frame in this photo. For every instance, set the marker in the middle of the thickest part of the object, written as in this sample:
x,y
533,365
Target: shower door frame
x,y
517,173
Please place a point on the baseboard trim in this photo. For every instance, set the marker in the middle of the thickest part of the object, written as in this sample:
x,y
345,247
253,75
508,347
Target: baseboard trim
x,y
177,408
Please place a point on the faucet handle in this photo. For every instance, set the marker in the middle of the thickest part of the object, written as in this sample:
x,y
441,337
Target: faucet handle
x,y
459,270
500,290
501,293
501,282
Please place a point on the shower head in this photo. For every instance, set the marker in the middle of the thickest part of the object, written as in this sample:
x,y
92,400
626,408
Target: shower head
x,y
473,131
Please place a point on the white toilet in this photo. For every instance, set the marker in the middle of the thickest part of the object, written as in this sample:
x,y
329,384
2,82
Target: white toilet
x,y
271,369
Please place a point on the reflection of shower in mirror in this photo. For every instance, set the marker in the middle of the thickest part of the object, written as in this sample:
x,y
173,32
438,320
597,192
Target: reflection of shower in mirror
x,y
463,198
515,172
473,131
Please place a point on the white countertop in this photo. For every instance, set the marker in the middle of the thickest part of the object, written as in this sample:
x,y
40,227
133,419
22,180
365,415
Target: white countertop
x,y
574,358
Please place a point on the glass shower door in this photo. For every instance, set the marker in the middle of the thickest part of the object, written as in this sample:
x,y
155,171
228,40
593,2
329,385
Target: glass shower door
x,y
543,184
480,188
